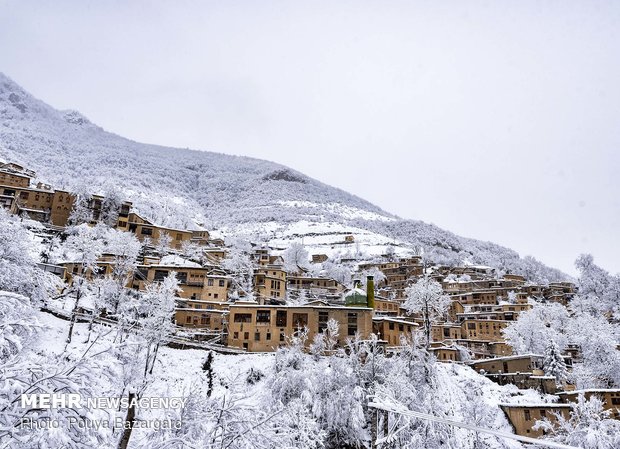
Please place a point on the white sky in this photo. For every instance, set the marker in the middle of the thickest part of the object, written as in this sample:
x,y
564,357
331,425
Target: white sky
x,y
495,120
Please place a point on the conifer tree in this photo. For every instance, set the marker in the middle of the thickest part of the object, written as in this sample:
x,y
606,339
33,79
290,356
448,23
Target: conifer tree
x,y
554,364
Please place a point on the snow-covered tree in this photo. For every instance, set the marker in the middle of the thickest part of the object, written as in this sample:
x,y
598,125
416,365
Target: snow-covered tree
x,y
426,297
598,290
241,268
598,339
296,258
162,245
19,272
84,245
157,311
554,364
338,272
110,205
534,329
81,212
191,250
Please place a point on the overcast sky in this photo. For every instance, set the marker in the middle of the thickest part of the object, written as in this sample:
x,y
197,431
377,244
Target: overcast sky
x,y
495,120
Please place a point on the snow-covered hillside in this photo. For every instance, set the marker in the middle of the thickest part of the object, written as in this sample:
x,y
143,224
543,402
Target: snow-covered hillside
x,y
182,188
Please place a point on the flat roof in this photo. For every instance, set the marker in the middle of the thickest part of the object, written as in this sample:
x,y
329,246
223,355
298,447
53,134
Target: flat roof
x,y
537,405
591,390
272,306
509,357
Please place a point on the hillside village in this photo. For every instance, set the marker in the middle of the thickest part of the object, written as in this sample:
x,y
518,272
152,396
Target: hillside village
x,y
246,297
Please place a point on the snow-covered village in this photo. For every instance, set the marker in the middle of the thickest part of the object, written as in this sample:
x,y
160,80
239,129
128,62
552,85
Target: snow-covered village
x,y
161,297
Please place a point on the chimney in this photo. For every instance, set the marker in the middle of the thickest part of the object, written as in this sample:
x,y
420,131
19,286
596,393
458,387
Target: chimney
x,y
370,292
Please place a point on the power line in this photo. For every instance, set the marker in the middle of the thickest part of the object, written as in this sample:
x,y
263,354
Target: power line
x,y
498,433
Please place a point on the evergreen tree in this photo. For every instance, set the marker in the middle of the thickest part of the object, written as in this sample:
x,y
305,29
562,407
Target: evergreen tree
x,y
554,364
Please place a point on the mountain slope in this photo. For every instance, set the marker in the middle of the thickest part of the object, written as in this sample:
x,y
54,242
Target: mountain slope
x,y
181,188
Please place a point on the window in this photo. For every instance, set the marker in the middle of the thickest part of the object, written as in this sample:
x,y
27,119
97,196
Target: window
x,y
246,335
242,318
179,236
257,336
528,416
281,318
188,319
222,283
351,323
300,319
160,275
615,401
182,278
210,282
323,317
268,336
263,316
391,326
205,320
24,195
147,231
197,306
281,336
235,335
543,414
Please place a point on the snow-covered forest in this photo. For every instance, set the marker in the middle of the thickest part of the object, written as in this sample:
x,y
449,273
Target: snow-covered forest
x,y
184,188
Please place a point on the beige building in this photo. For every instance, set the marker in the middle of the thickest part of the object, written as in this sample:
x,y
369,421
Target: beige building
x,y
263,328
196,282
610,398
524,416
270,283
319,286
529,363
488,330
143,229
390,329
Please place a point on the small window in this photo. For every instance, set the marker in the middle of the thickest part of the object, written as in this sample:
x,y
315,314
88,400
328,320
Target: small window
x,y
528,416
268,336
242,318
351,323
246,335
323,317
210,282
257,336
281,318
188,319
263,316
147,231
222,283
300,319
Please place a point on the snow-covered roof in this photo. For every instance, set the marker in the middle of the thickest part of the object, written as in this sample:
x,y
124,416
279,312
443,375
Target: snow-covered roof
x,y
592,390
173,260
394,320
536,405
509,357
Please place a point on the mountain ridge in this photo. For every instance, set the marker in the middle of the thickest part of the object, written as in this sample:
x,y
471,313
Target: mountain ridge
x,y
182,187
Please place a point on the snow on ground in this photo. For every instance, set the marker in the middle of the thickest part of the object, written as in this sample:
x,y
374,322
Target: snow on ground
x,y
320,237
346,212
